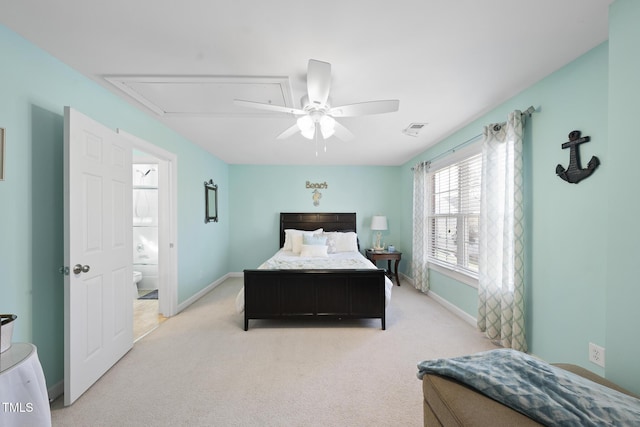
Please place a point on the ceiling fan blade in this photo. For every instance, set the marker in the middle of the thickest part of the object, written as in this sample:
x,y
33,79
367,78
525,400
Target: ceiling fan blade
x,y
342,132
318,81
268,107
365,108
289,132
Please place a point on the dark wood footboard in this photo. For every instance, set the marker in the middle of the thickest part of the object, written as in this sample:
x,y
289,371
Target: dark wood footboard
x,y
302,294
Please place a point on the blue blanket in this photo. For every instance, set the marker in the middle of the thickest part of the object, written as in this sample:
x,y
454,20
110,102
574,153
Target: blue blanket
x,y
545,393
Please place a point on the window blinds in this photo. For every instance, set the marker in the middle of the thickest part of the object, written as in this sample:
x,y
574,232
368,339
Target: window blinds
x,y
454,214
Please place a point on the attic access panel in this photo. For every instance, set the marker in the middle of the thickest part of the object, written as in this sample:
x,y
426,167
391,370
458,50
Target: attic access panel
x,y
189,96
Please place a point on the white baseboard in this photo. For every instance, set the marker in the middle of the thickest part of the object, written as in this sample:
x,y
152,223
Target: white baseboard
x,y
446,304
202,293
55,391
454,309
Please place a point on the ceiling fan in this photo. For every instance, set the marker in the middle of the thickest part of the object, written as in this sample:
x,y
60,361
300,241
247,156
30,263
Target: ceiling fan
x,y
317,117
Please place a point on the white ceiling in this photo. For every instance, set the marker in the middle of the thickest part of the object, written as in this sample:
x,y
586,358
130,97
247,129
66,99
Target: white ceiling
x,y
447,61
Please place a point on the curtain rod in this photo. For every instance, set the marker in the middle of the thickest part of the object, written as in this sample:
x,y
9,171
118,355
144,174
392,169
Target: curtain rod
x,y
528,112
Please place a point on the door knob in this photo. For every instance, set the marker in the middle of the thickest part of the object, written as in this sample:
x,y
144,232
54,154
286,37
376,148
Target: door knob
x,y
77,269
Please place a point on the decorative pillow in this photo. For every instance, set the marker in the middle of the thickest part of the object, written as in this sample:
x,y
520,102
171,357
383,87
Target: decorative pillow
x,y
331,241
297,240
346,242
318,251
288,237
313,239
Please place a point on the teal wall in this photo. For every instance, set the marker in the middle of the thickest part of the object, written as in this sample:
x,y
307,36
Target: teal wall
x,y
581,282
623,285
34,89
260,193
565,267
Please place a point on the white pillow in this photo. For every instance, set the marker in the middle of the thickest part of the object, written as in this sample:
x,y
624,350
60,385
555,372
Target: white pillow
x,y
288,237
318,251
296,243
346,242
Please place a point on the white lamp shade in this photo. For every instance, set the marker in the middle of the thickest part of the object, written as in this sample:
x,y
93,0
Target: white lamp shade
x,y
379,222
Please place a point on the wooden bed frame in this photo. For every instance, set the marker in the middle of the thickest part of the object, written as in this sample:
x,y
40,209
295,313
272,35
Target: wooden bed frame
x,y
305,294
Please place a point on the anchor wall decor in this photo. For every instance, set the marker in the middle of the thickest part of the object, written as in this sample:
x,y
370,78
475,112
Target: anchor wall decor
x,y
574,174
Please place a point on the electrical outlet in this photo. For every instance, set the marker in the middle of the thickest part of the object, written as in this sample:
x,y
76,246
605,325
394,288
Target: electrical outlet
x,y
596,354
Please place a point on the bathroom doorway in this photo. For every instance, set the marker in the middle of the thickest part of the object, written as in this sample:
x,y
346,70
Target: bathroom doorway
x,y
146,312
154,236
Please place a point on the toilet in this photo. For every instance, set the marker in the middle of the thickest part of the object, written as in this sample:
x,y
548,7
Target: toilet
x,y
137,276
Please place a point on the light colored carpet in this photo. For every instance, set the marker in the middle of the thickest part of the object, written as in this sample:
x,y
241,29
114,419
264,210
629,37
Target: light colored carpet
x,y
200,368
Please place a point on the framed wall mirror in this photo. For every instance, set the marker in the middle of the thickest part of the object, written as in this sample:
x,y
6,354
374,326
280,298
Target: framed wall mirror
x,y
210,202
1,154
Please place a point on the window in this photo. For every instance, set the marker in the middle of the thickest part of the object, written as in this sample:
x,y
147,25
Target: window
x,y
454,212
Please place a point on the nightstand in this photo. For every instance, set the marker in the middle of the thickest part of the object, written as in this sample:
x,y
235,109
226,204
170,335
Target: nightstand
x,y
374,256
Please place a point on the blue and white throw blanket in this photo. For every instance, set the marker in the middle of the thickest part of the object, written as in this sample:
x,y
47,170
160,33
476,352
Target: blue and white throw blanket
x,y
543,392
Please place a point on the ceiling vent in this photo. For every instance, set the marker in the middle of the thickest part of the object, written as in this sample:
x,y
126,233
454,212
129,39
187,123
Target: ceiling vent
x,y
414,129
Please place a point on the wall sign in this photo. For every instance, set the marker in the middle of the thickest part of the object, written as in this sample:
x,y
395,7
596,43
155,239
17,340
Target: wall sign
x,y
574,173
323,185
315,194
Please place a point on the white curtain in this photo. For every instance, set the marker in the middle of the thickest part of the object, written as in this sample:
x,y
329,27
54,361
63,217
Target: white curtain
x,y
501,265
420,228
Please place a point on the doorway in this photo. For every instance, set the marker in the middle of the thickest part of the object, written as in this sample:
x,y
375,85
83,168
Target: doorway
x,y
159,168
146,313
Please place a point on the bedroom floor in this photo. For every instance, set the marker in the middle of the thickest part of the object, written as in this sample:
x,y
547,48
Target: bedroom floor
x,y
202,369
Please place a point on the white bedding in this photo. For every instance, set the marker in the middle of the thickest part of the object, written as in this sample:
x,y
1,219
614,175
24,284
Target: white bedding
x,y
284,260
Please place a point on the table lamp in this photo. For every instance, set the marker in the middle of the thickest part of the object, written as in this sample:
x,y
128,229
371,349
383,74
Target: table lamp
x,y
378,224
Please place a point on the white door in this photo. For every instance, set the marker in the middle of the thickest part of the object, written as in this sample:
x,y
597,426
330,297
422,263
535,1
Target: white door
x,y
98,323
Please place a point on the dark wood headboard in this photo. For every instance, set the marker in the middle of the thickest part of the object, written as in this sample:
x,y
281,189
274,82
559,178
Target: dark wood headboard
x,y
313,221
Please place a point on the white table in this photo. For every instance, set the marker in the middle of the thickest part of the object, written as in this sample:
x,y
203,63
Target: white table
x,y
23,390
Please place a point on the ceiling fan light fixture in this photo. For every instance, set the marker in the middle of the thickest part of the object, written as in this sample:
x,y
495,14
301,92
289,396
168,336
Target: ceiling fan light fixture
x,y
307,126
316,116
327,133
327,126
308,133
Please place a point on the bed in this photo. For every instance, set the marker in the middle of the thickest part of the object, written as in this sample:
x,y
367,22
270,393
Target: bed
x,y
509,388
305,282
